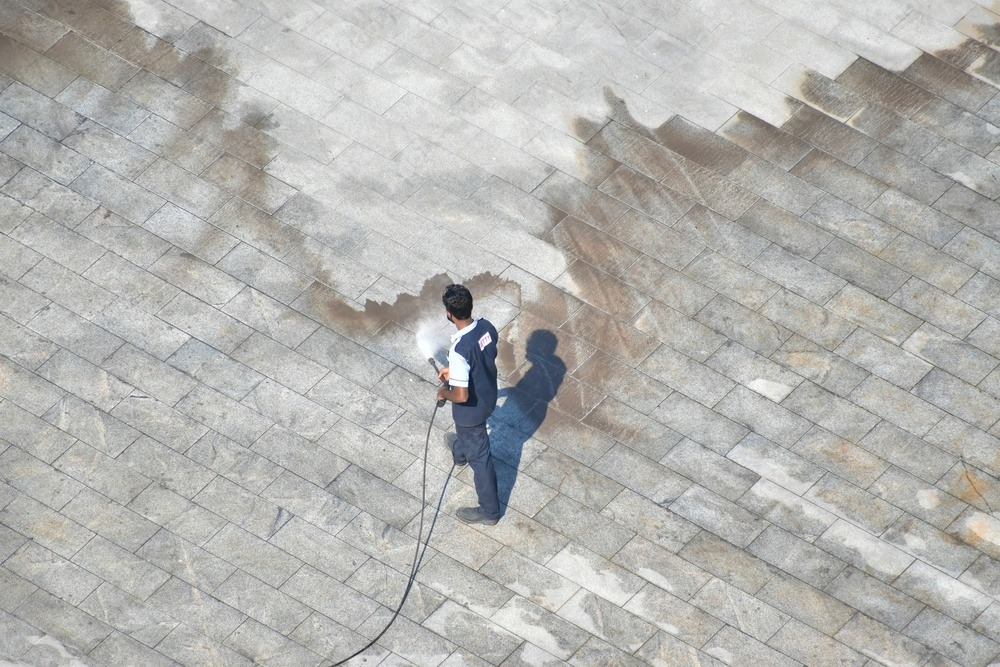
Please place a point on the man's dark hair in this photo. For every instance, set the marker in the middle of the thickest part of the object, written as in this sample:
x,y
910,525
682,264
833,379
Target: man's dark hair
x,y
458,301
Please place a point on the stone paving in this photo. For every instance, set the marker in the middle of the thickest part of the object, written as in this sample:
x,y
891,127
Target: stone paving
x,y
745,260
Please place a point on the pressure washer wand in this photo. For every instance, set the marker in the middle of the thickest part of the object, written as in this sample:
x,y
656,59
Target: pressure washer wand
x,y
434,365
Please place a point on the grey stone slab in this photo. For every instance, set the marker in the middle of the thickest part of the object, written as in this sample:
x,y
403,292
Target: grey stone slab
x,y
854,304
763,416
109,149
52,573
841,457
119,648
49,198
865,551
165,466
896,405
266,646
66,288
933,305
245,509
839,178
26,64
57,242
234,461
77,630
965,167
740,610
186,645
731,645
101,105
853,503
76,334
776,463
144,331
215,369
204,322
186,149
48,528
33,435
20,258
809,645
910,453
718,515
951,638
943,592
31,391
783,508
310,502
792,272
196,277
199,569
150,375
129,615
959,398
595,573
850,223
110,520
291,410
319,548
592,530
262,602
36,110
631,428
295,453
604,620
829,411
922,222
57,161
687,622
880,642
117,194
101,472
812,607
91,425
328,596
171,427
630,470
743,326
224,415
23,347
162,507
710,470
874,598
132,283
829,370
796,557
884,359
949,353
270,277
654,522
660,567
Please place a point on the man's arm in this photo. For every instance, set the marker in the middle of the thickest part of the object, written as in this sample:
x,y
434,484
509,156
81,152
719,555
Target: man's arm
x,y
454,394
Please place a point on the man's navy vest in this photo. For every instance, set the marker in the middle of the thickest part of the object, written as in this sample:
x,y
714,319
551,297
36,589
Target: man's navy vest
x,y
479,348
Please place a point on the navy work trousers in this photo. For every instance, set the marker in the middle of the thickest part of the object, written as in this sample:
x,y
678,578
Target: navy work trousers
x,y
472,445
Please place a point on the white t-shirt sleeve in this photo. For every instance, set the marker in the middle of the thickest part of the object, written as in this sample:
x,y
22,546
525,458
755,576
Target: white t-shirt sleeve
x,y
458,369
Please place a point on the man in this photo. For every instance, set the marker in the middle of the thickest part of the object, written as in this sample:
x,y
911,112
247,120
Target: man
x,y
471,385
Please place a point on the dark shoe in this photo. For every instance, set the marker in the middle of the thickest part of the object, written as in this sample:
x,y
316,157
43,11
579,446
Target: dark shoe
x,y
475,515
449,442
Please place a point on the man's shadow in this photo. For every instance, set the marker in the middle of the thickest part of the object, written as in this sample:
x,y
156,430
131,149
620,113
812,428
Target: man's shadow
x,y
514,422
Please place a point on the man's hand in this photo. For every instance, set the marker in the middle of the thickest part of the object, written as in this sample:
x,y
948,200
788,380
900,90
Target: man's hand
x,y
444,375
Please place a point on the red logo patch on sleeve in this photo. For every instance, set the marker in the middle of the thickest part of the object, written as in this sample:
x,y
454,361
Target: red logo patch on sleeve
x,y
485,340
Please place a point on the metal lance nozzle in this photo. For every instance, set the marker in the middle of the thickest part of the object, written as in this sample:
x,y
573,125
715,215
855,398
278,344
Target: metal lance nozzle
x,y
434,365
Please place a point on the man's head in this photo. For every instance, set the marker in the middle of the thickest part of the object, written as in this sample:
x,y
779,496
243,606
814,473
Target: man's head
x,y
457,301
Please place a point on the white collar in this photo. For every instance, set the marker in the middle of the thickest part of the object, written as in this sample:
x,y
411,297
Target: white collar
x,y
461,332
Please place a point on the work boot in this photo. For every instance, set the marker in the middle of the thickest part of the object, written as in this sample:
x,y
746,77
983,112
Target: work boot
x,y
475,515
449,442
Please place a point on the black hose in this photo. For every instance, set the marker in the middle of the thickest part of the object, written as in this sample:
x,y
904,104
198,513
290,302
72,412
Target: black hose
x,y
418,555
